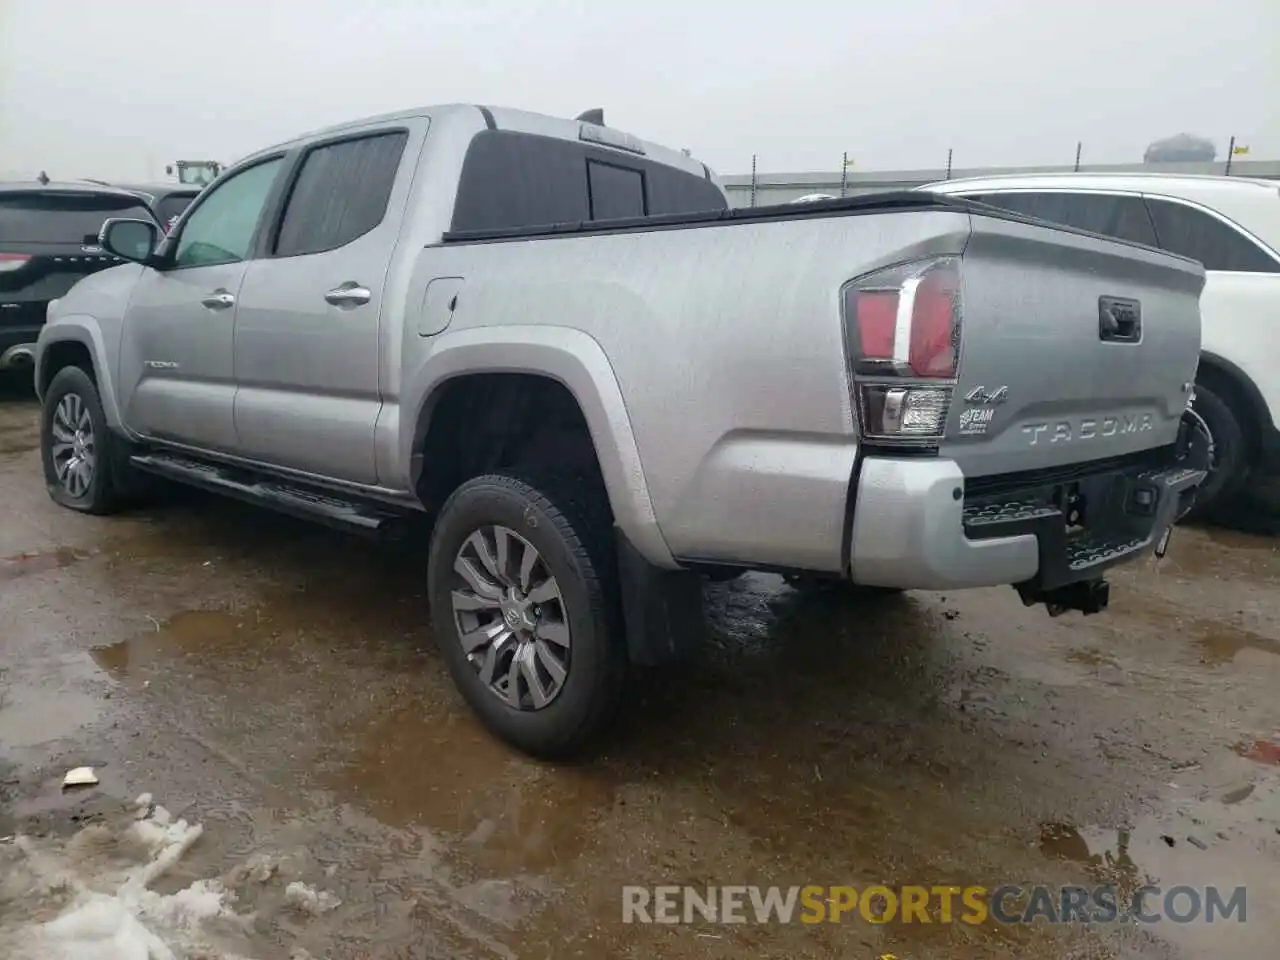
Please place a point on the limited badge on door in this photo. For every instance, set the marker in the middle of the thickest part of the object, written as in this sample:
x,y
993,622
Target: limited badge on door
x,y
1162,546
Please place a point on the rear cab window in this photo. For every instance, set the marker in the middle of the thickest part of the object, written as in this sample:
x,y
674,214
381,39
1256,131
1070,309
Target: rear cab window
x,y
512,180
1193,233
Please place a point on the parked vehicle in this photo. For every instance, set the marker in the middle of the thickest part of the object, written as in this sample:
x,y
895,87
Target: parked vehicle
x,y
1232,226
557,342
48,241
168,200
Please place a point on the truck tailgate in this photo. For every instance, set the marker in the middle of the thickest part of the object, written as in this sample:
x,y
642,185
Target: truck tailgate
x,y
1075,348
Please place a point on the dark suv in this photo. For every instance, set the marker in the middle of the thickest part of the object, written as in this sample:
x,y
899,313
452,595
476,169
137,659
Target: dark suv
x,y
48,241
168,200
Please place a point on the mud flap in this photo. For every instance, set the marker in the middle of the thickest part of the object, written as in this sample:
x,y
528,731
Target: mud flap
x,y
661,609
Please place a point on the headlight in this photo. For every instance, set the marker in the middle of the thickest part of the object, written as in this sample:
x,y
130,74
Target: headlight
x,y
48,311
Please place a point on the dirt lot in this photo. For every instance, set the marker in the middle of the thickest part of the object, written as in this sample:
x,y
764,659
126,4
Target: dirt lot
x,y
277,684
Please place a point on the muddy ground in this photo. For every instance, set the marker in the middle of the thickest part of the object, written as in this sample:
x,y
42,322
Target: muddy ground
x,y
277,683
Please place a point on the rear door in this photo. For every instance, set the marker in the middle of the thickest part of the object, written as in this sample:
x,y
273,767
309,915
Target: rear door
x,y
307,344
48,241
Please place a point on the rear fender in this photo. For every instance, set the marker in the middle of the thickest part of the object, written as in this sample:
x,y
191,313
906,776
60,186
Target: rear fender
x,y
575,360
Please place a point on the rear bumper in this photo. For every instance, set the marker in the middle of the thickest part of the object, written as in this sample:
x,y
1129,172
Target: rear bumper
x,y
918,524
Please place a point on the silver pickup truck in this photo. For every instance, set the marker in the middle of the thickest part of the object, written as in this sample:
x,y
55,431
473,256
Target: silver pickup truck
x,y
600,385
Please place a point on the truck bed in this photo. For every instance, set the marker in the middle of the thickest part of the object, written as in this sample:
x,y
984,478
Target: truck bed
x,y
872,203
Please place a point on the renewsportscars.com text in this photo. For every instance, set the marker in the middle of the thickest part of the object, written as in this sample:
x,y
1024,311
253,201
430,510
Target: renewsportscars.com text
x,y
1007,904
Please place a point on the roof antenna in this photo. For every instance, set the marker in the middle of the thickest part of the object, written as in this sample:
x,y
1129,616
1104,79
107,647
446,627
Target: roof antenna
x,y
43,179
594,115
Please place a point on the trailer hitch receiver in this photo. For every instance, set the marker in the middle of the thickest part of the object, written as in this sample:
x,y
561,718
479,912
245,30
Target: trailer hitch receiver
x,y
1087,596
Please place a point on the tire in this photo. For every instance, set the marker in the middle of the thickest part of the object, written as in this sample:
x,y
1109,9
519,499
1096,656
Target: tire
x,y
566,521
72,401
1231,455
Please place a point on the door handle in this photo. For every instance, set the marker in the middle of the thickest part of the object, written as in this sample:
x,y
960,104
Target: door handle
x,y
219,300
1119,320
349,294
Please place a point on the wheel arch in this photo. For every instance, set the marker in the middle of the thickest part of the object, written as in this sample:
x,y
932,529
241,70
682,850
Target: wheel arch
x,y
1238,391
76,341
574,361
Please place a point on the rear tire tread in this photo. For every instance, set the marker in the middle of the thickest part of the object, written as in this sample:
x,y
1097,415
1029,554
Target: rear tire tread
x,y
577,509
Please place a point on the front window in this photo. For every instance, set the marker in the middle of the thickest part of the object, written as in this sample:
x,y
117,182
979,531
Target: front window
x,y
222,228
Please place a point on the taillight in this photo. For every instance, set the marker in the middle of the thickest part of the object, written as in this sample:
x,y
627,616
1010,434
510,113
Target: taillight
x,y
903,333
12,261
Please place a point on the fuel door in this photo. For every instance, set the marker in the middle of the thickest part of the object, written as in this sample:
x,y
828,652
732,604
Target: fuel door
x,y
439,303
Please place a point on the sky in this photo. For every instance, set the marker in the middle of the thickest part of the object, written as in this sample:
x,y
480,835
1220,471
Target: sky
x,y
118,89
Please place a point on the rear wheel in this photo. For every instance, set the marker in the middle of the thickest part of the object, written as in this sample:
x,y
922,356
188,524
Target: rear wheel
x,y
1230,470
524,608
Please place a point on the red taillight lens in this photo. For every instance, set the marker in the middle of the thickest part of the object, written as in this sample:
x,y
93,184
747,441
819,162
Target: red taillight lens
x,y
935,324
903,330
877,312
12,261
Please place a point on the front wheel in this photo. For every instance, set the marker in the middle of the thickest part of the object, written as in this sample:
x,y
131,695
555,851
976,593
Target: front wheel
x,y
524,608
75,445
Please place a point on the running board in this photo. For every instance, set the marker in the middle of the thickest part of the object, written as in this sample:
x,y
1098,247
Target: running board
x,y
297,501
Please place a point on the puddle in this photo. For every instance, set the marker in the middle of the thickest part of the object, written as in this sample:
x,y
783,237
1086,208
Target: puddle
x,y
1091,657
1220,643
419,766
1228,554
1104,851
1216,642
1224,838
29,564
189,632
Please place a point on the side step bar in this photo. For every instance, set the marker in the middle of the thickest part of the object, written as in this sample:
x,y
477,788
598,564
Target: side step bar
x,y
332,510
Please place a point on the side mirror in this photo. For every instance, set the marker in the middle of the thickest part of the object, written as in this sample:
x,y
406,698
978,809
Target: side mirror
x,y
131,239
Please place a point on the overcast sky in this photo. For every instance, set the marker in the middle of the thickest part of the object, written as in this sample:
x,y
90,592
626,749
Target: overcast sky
x,y
118,88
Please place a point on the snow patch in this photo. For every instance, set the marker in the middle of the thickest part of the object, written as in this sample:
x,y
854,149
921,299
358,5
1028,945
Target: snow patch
x,y
91,897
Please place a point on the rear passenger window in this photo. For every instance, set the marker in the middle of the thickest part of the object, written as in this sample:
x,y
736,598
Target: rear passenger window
x,y
614,191
1125,218
512,180
1195,234
340,193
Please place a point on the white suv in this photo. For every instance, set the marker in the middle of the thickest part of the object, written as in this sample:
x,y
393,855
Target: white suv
x,y
1232,226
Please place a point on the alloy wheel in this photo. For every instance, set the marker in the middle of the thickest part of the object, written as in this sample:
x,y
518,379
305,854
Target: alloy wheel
x,y
510,618
74,449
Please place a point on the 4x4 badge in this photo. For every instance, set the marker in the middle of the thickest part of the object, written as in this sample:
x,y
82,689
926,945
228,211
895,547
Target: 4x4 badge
x,y
979,395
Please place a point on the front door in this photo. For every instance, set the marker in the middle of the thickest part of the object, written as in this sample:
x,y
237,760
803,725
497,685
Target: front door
x,y
307,344
177,354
